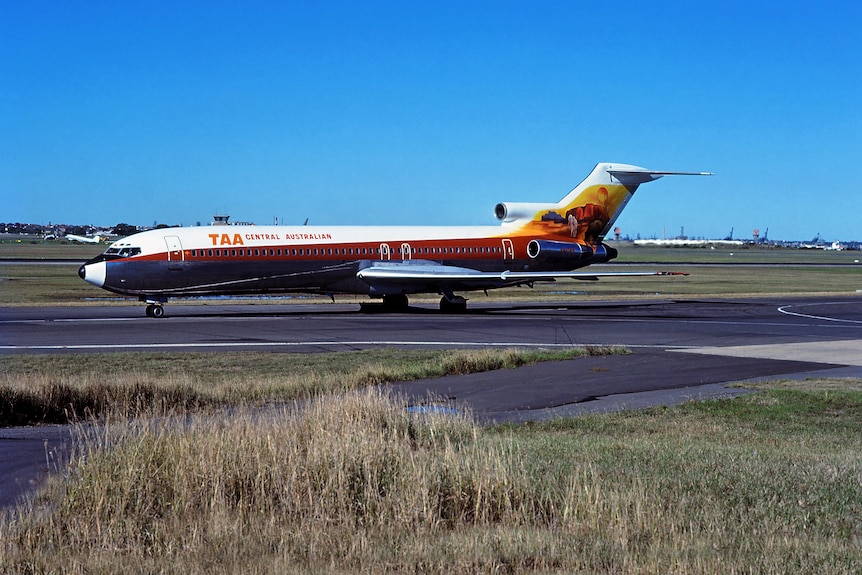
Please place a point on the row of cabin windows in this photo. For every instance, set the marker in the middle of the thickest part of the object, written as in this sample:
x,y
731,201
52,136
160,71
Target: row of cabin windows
x,y
278,252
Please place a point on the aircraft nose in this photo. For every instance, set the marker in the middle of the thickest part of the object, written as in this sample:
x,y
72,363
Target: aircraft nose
x,y
93,273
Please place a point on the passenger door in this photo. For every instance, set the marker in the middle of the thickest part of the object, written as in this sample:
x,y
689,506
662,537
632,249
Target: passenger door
x,y
175,252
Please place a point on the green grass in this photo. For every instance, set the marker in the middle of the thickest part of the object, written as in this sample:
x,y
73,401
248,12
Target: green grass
x,y
764,483
38,249
47,284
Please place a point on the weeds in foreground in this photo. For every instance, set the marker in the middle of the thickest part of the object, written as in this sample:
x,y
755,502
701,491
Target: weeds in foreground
x,y
355,483
59,389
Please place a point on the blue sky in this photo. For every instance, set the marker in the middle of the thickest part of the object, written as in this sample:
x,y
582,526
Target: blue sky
x,y
431,112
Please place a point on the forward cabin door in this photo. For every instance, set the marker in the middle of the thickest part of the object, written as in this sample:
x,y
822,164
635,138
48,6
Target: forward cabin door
x,y
175,252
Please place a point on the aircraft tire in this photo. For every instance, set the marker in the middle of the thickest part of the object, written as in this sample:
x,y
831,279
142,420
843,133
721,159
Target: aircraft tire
x,y
458,305
155,311
395,303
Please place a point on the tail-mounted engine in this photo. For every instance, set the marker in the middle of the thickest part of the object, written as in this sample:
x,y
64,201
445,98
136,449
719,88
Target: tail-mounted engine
x,y
554,251
508,212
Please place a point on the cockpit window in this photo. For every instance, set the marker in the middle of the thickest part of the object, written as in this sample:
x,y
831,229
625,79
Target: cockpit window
x,y
124,252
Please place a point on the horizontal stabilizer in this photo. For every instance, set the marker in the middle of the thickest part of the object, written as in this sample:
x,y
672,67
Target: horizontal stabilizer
x,y
637,177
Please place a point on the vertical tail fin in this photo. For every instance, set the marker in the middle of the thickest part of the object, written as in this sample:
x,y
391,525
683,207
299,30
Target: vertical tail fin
x,y
588,212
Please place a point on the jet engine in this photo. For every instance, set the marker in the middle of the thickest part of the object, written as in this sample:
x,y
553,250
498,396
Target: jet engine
x,y
551,250
558,251
513,211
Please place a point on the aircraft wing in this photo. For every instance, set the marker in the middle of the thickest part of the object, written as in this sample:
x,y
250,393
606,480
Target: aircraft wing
x,y
427,275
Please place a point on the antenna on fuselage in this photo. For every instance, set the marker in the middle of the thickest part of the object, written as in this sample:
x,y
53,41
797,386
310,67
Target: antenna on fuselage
x,y
305,223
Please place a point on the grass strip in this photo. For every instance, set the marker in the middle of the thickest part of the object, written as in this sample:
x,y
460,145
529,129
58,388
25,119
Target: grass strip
x,y
765,483
38,389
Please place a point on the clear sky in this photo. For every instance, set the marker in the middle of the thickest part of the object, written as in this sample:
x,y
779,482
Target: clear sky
x,y
431,112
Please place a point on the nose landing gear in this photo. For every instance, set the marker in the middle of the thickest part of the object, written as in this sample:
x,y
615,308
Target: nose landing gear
x,y
154,305
155,310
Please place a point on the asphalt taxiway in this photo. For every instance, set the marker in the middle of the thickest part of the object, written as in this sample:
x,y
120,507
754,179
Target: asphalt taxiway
x,y
681,350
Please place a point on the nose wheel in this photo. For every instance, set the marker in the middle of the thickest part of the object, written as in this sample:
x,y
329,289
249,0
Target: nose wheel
x,y
155,310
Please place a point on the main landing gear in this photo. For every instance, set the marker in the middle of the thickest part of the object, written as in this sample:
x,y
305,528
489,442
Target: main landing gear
x,y
395,303
454,304
398,303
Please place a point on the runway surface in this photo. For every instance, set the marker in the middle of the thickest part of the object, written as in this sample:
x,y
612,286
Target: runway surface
x,y
659,324
681,350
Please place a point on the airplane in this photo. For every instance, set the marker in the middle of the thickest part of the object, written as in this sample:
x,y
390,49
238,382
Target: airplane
x,y
84,239
536,242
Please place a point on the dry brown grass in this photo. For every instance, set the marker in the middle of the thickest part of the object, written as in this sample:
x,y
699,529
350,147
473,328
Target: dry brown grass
x,y
329,486
61,388
355,483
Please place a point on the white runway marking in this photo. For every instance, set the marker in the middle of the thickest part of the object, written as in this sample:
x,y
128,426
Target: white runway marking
x,y
786,311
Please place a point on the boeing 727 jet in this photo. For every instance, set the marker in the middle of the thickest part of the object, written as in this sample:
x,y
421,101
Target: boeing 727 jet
x,y
536,242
